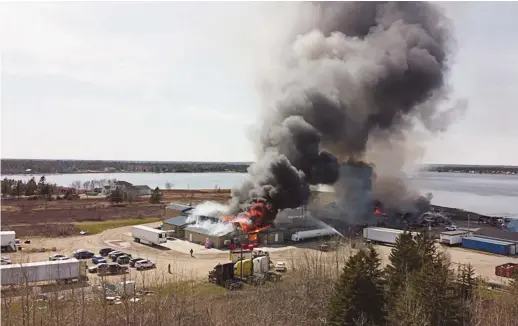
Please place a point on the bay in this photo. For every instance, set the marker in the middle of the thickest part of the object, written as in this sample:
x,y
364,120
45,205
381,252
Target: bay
x,y
490,194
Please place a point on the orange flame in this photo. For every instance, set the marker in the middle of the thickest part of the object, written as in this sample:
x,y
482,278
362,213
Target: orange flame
x,y
378,211
258,217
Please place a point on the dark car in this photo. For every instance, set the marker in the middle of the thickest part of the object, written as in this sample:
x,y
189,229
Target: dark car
x,y
97,259
117,255
115,252
123,260
83,254
105,251
133,261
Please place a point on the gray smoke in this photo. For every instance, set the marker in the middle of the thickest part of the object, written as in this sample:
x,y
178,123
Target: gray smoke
x,y
361,70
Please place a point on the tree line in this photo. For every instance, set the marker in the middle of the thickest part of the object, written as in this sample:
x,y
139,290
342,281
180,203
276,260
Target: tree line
x,y
417,287
31,188
19,166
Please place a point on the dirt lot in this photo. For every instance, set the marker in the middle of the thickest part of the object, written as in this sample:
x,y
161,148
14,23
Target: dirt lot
x,y
55,218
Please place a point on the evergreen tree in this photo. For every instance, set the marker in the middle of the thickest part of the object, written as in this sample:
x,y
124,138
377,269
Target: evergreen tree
x,y
358,295
404,259
31,187
116,196
156,196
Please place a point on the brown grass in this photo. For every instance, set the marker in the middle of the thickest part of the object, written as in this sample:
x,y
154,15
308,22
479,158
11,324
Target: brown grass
x,y
299,299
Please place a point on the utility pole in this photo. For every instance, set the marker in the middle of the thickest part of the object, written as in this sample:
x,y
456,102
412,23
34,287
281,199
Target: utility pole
x,y
468,222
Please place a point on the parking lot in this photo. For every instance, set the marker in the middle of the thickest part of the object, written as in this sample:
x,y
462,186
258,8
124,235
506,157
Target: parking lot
x,y
176,254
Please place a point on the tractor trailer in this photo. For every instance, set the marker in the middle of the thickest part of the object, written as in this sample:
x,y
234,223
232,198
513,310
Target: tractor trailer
x,y
8,240
303,235
148,235
62,271
382,235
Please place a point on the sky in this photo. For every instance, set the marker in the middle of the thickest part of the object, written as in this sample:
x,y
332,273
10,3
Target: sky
x,y
179,81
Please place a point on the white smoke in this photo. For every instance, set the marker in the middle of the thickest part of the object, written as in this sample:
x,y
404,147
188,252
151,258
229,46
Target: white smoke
x,y
210,209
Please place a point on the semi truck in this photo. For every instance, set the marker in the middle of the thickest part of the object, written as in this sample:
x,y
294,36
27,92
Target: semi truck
x,y
61,271
382,235
309,234
453,238
148,235
8,240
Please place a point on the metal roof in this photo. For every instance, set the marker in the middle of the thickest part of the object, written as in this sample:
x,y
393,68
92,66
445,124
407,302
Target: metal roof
x,y
489,240
177,221
204,231
177,207
456,232
69,261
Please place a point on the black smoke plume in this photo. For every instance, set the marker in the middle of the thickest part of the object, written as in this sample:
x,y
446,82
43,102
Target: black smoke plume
x,y
363,69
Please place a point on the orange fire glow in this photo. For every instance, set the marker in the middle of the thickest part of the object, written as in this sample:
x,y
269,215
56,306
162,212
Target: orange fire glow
x,y
258,217
378,211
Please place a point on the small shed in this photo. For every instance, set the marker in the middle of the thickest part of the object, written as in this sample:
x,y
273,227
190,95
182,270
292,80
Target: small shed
x,y
202,235
176,224
453,238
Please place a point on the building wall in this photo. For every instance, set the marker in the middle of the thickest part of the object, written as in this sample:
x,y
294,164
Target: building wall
x,y
179,231
268,238
219,242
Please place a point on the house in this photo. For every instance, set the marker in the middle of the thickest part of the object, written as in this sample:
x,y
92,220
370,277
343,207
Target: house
x,y
64,190
142,190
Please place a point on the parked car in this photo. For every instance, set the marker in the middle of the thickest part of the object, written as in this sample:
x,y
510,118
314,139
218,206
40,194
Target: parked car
x,y
83,254
112,253
98,259
280,267
117,255
58,257
112,268
451,228
144,264
133,261
6,261
123,260
105,251
96,268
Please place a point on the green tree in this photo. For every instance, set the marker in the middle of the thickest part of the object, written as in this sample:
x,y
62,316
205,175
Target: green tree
x,y
358,295
156,196
404,259
6,187
31,187
116,196
19,188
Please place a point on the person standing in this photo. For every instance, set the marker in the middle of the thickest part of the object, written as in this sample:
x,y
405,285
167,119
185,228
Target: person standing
x,y
191,252
169,268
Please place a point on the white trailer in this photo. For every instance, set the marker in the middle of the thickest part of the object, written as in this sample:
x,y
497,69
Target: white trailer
x,y
303,235
8,240
148,235
382,235
62,271
453,238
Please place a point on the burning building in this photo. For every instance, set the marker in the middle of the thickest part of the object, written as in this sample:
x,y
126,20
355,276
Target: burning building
x,y
353,192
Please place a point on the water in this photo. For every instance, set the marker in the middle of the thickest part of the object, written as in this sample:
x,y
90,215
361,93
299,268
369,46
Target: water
x,y
482,193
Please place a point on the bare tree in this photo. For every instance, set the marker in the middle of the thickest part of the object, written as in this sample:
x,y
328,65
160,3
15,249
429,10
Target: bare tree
x,y
76,184
168,185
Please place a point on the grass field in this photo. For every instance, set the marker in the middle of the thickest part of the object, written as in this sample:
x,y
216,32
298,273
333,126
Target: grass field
x,y
98,227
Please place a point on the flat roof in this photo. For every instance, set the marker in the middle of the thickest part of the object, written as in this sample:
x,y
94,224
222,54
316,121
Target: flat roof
x,y
6,232
489,240
456,232
41,263
388,230
204,231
